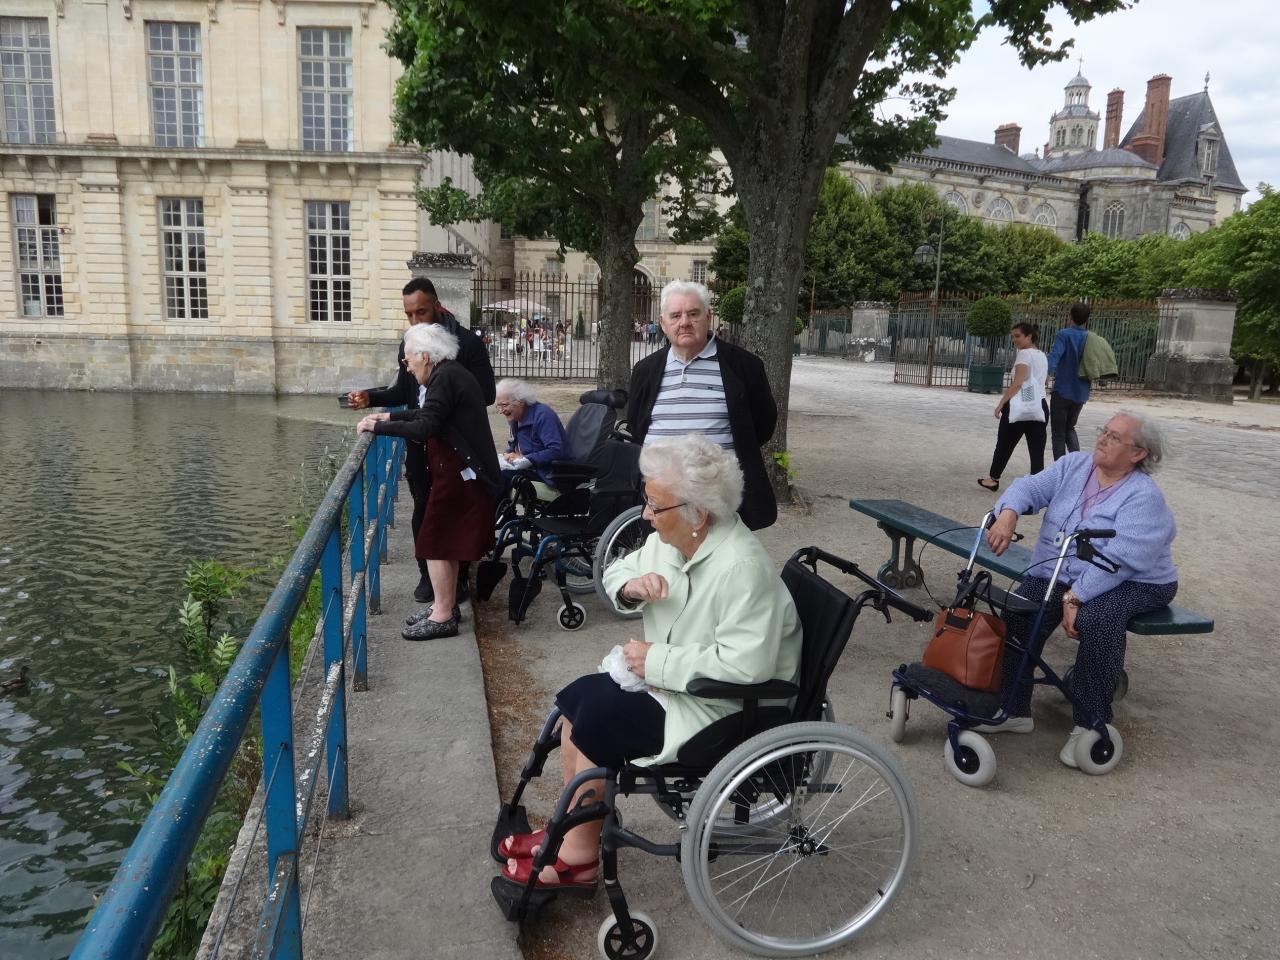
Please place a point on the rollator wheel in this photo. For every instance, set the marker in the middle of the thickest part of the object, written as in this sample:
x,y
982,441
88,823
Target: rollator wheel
x,y
814,876
609,939
1095,757
974,764
572,616
898,715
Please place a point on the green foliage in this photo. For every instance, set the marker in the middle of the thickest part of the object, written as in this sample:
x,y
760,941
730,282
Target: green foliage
x,y
783,459
732,254
850,254
989,317
1013,251
1245,257
729,308
1097,268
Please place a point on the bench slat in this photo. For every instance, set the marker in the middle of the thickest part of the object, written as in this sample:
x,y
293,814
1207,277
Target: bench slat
x,y
927,526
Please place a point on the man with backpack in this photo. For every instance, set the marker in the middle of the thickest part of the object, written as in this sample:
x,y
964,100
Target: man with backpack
x,y
1070,391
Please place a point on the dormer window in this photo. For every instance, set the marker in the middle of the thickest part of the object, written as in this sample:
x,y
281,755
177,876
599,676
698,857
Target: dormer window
x,y
1208,150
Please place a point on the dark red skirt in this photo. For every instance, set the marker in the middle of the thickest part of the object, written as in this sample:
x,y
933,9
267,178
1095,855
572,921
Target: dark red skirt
x,y
459,518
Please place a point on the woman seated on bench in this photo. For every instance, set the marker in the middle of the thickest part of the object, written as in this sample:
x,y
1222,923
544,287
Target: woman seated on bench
x,y
1110,488
713,606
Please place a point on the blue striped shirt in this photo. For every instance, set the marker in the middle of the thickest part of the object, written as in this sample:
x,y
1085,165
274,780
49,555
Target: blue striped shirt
x,y
692,400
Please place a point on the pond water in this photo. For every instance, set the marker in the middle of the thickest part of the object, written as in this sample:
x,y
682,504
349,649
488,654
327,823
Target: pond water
x,y
104,499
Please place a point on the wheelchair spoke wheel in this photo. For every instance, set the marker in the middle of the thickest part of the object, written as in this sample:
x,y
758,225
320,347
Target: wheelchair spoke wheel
x,y
624,534
818,868
579,568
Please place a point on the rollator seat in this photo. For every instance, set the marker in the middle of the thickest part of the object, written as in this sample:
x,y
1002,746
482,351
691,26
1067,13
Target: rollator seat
x,y
980,703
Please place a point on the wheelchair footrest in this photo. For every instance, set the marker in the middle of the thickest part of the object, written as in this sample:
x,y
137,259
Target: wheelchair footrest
x,y
509,894
508,825
521,593
489,574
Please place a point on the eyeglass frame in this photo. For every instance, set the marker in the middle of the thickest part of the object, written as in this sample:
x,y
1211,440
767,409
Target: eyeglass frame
x,y
1110,436
656,511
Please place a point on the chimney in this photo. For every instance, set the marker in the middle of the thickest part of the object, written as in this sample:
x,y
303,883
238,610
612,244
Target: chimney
x,y
1115,111
1150,144
1007,136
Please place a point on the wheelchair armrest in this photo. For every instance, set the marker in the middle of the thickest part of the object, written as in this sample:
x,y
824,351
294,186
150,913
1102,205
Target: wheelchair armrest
x,y
720,690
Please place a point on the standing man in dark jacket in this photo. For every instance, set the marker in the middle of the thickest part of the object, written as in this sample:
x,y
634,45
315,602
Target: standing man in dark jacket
x,y
1070,392
702,384
421,305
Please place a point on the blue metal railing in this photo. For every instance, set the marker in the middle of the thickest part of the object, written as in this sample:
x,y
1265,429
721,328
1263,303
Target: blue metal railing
x,y
128,917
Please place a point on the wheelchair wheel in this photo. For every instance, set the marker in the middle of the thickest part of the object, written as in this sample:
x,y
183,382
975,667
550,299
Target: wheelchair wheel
x,y
579,569
814,877
624,534
609,939
898,715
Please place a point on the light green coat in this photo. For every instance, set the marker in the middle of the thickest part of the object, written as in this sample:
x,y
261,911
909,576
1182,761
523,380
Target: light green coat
x,y
728,616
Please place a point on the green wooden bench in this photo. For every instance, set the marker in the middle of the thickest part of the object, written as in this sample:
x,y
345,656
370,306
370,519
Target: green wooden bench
x,y
905,523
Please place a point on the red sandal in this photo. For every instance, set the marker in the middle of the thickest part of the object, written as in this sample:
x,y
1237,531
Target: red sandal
x,y
522,844
570,875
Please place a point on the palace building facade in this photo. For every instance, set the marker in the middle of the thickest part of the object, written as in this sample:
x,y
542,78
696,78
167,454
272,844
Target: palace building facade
x,y
206,195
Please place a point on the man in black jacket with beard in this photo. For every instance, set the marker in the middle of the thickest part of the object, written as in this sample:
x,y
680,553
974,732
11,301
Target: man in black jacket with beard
x,y
421,305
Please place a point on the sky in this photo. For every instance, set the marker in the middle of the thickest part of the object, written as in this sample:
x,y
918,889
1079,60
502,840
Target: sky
x,y
1236,41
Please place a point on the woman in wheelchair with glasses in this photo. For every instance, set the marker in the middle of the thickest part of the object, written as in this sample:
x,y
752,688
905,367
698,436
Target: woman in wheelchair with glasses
x,y
1109,488
713,606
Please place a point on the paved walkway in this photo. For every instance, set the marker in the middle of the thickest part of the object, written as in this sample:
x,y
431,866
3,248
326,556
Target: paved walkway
x,y
402,879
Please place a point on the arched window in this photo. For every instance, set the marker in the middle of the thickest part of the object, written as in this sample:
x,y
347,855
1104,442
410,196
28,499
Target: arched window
x,y
1000,209
1061,139
954,199
1180,231
648,229
1093,132
1113,219
1045,216
862,190
1077,134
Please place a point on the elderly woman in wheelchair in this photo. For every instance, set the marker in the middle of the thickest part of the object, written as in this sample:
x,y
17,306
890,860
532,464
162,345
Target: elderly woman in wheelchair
x,y
720,714
712,607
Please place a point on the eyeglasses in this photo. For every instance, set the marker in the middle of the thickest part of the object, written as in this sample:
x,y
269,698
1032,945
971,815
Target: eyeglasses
x,y
1110,436
505,404
655,510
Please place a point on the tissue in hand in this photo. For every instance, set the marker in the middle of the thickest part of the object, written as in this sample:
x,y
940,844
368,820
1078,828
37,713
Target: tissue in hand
x,y
615,665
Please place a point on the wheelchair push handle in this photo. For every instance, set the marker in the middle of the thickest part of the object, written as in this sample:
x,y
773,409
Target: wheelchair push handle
x,y
884,596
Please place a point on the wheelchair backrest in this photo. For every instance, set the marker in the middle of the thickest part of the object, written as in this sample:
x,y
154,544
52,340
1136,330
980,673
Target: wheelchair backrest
x,y
593,421
827,615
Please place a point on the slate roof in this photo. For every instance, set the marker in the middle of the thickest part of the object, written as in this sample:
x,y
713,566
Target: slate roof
x,y
1079,81
977,152
1111,157
1076,110
1187,115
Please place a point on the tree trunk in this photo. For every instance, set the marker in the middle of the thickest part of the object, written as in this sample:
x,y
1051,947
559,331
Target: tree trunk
x,y
617,256
1257,377
777,232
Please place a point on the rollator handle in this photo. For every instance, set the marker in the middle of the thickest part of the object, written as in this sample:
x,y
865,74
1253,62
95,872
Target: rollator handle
x,y
1092,534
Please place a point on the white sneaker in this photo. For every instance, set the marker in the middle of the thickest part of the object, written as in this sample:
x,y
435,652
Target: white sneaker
x,y
1012,725
1068,752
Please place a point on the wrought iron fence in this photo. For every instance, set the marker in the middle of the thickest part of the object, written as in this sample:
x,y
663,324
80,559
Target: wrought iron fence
x,y
858,332
931,346
546,326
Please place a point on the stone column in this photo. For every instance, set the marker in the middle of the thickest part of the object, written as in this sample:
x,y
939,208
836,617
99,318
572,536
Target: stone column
x,y
451,274
1193,346
103,278
248,294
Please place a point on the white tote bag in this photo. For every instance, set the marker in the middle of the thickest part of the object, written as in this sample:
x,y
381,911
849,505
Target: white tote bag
x,y
1026,403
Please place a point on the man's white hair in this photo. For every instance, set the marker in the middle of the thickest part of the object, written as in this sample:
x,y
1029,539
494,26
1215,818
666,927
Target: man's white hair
x,y
685,286
520,390
701,474
433,340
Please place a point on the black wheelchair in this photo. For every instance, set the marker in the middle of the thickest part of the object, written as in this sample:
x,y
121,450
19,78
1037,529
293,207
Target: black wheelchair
x,y
558,527
795,832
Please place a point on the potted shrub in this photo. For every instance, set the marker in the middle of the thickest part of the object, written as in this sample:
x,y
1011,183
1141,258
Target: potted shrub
x,y
989,319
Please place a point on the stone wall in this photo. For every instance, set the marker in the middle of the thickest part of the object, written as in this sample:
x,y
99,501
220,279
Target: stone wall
x,y
1193,346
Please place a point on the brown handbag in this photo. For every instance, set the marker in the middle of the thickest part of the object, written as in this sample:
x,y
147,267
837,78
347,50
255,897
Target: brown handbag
x,y
968,646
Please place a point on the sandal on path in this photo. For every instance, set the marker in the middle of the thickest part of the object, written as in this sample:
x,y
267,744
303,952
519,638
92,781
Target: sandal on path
x,y
521,844
568,875
993,488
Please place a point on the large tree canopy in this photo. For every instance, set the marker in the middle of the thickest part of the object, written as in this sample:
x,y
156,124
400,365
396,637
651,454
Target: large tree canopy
x,y
557,147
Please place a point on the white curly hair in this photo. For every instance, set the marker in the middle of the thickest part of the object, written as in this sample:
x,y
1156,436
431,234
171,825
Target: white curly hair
x,y
433,340
702,474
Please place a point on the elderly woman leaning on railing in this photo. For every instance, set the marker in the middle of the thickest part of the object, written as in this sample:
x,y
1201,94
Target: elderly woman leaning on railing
x,y
465,480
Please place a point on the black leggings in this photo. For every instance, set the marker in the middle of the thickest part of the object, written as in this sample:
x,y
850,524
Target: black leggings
x,y
1007,439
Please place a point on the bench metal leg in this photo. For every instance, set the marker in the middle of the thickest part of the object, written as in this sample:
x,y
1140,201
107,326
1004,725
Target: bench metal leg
x,y
901,570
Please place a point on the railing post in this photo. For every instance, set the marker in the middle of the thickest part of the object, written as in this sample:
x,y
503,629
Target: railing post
x,y
373,483
281,798
355,552
386,469
336,738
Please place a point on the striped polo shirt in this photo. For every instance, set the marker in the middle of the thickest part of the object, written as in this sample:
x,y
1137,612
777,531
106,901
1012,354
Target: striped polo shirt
x,y
691,400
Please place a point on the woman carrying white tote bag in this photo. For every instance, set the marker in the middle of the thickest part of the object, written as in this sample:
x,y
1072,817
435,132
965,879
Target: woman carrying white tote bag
x,y
1022,409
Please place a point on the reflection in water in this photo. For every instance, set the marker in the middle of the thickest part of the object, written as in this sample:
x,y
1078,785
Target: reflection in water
x,y
104,498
